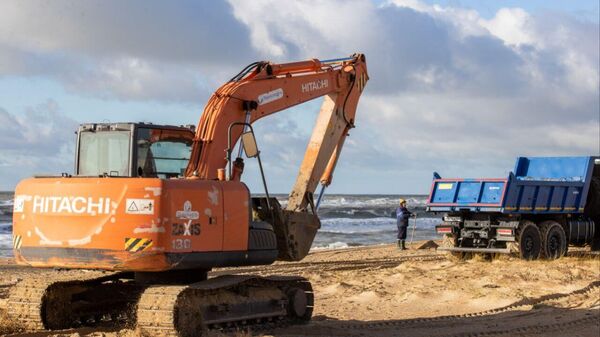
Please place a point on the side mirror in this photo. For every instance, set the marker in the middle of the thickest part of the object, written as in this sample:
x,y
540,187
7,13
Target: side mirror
x,y
249,143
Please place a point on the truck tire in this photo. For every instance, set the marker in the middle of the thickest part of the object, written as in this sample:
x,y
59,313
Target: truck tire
x,y
529,239
554,240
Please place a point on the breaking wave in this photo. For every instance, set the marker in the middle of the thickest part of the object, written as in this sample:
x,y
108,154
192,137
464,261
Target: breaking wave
x,y
357,220
6,206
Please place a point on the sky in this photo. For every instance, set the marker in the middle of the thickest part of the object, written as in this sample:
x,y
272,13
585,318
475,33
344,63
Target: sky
x,y
461,87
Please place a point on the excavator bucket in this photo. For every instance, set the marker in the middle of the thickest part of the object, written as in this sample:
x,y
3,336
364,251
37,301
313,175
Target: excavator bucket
x,y
301,230
295,230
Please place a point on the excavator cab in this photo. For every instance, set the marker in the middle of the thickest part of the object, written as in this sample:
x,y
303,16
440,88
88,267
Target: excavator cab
x,y
133,150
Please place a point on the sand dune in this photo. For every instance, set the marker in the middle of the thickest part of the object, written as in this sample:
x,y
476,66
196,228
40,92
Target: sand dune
x,y
379,291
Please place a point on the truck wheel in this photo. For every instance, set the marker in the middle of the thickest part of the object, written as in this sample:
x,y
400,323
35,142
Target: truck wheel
x,y
554,240
530,241
449,241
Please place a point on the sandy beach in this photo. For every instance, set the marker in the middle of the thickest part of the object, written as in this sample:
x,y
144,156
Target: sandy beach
x,y
380,291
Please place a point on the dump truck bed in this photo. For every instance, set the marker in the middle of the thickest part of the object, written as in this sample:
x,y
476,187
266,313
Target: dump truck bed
x,y
538,185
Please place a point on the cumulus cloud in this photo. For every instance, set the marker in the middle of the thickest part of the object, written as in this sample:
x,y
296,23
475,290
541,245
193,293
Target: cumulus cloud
x,y
450,90
39,140
188,31
137,79
300,28
137,50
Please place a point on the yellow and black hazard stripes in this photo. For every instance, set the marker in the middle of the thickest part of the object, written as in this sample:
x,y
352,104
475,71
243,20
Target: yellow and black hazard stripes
x,y
362,81
17,241
135,245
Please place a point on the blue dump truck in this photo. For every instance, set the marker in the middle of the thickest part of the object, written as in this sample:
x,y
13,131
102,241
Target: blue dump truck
x,y
542,207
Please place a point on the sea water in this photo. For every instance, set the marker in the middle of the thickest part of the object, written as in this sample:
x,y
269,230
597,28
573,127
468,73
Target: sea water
x,y
358,220
346,220
6,203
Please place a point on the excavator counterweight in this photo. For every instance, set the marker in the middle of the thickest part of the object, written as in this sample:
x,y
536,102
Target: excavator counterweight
x,y
153,208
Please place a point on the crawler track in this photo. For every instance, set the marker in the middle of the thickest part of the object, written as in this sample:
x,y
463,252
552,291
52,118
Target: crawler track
x,y
224,303
38,304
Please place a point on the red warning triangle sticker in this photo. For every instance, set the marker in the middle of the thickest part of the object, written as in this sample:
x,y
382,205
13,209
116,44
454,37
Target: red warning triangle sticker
x,y
132,207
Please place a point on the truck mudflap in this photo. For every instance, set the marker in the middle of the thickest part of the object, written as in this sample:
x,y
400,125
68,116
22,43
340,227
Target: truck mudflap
x,y
475,250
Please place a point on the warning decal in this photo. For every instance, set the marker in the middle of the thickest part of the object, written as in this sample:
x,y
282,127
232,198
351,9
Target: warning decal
x,y
139,206
135,245
17,241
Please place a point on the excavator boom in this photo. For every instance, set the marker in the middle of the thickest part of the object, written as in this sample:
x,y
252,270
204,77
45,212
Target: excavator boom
x,y
262,89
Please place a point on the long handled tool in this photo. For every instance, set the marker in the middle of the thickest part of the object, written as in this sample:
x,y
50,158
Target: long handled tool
x,y
412,235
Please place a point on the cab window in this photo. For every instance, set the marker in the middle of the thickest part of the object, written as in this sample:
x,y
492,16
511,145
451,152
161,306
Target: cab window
x,y
163,153
104,153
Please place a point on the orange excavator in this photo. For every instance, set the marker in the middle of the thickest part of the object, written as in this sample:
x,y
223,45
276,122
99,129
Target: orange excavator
x,y
157,207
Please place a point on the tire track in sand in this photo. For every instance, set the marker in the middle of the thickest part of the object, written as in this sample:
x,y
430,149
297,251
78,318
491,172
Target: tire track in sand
x,y
334,265
429,326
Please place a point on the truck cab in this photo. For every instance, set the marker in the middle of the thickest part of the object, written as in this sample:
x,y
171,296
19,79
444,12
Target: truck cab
x,y
133,150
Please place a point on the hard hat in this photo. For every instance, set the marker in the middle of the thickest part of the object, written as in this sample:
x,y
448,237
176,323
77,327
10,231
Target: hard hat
x,y
402,201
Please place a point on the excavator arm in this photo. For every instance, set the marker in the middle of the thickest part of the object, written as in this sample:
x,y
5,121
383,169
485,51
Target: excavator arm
x,y
262,89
